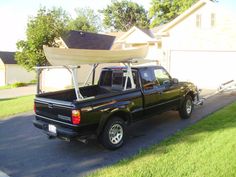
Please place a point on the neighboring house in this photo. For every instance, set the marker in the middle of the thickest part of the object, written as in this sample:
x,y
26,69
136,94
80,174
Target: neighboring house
x,y
76,40
117,35
136,37
11,72
200,45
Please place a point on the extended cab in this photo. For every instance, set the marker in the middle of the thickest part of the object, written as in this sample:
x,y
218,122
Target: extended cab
x,y
115,102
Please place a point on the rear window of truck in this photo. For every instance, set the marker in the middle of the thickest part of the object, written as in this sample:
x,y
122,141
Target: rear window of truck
x,y
116,79
106,78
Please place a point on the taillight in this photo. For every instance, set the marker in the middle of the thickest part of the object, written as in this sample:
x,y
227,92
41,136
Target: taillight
x,y
34,108
75,116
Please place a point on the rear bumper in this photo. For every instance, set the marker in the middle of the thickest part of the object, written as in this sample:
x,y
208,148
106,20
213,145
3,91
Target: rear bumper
x,y
61,132
65,129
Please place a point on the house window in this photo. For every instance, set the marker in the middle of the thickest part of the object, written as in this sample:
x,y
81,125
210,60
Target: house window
x,y
213,20
198,21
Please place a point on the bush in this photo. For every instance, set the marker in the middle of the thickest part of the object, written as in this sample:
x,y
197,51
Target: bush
x,y
18,84
33,81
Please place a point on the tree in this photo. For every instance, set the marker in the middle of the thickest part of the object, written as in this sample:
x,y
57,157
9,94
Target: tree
x,y
163,11
125,14
41,30
86,20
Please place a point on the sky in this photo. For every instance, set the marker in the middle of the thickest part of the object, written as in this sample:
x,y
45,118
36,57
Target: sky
x,y
14,15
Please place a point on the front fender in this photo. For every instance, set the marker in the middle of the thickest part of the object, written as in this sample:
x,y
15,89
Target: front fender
x,y
188,88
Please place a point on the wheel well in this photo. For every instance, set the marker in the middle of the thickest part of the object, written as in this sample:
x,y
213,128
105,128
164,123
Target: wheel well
x,y
191,94
121,114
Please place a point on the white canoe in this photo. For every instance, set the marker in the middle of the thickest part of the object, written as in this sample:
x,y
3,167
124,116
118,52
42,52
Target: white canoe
x,y
61,56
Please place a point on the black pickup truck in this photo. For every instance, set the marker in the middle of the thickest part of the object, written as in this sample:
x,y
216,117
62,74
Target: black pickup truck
x,y
107,108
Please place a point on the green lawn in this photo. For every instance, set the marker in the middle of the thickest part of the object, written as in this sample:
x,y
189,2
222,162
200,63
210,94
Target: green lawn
x,y
206,149
13,106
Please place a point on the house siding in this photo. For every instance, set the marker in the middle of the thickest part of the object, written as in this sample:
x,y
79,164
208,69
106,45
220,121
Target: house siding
x,y
2,73
186,35
136,37
16,73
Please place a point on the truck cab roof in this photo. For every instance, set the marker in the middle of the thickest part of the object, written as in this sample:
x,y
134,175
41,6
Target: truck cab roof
x,y
133,67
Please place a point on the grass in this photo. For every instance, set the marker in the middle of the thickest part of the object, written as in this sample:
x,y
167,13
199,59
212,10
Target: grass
x,y
207,148
17,105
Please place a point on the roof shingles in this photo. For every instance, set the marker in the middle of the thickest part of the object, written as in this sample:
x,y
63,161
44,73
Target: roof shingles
x,y
86,40
8,57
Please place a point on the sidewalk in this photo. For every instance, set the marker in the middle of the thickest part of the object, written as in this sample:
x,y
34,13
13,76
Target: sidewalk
x,y
16,92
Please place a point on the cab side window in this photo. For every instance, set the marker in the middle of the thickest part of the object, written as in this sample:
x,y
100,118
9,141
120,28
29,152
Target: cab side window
x,y
162,76
147,78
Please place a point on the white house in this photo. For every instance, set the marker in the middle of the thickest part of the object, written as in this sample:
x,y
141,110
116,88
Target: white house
x,y
11,72
200,45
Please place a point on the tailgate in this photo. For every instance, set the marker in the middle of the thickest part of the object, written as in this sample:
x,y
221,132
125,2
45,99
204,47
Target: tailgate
x,y
53,109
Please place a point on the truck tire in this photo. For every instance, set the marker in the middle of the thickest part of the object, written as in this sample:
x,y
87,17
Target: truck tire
x,y
186,108
113,133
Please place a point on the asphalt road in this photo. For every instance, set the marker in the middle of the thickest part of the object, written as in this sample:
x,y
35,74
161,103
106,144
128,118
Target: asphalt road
x,y
26,152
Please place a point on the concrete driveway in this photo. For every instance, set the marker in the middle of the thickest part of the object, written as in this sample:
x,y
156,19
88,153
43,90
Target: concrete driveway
x,y
26,152
19,91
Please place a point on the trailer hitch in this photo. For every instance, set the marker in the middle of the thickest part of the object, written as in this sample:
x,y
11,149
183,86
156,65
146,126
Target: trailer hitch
x,y
198,101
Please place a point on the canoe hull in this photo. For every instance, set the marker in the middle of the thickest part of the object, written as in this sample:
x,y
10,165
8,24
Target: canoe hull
x,y
61,56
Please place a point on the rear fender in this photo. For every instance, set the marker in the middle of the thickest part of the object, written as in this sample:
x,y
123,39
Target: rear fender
x,y
124,114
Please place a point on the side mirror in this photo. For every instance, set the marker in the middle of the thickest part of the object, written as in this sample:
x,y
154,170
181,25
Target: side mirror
x,y
166,82
175,81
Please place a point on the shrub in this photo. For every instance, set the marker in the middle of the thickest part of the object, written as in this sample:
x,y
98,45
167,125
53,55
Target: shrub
x,y
33,81
18,84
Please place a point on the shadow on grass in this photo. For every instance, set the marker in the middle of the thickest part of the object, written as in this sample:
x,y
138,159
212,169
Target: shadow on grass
x,y
6,99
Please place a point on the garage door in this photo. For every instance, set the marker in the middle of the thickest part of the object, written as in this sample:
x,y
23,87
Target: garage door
x,y
207,69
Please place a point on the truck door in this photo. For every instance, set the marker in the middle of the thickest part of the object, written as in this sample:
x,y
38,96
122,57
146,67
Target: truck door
x,y
170,92
151,90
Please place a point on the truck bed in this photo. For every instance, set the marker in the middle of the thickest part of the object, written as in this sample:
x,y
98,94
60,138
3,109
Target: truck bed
x,y
69,95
